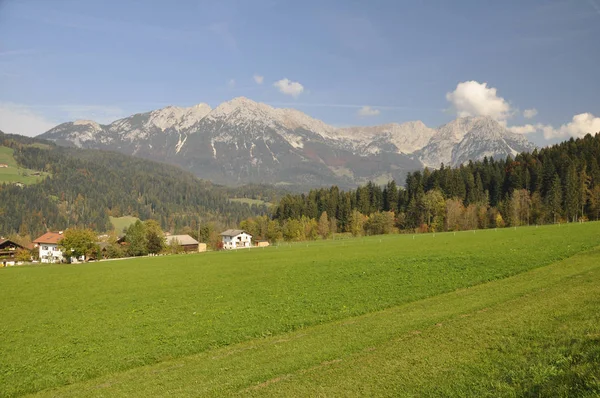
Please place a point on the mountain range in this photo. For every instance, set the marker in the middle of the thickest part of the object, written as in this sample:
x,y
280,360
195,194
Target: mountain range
x,y
243,141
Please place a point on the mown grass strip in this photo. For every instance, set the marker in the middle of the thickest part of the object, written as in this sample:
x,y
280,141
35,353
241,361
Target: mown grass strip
x,y
511,337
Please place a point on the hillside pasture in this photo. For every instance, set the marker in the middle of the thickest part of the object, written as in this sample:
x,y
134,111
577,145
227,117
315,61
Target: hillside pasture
x,y
13,173
250,201
306,318
121,223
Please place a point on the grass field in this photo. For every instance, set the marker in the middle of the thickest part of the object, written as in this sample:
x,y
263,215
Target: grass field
x,y
13,173
249,201
492,313
120,223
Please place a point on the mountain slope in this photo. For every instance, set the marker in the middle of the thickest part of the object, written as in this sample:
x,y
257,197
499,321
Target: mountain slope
x,y
88,186
243,141
471,138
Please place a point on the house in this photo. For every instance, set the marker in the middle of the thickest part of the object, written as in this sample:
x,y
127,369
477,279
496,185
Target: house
x,y
3,165
262,243
189,244
236,239
48,246
8,249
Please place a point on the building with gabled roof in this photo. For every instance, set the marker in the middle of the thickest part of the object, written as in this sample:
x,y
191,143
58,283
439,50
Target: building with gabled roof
x,y
189,244
48,247
8,249
236,239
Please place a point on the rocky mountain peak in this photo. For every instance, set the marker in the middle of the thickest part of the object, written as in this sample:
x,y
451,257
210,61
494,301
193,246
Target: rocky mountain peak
x,y
176,117
242,108
242,140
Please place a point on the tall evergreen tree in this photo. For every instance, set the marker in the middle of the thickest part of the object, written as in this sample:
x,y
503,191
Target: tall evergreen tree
x,y
555,198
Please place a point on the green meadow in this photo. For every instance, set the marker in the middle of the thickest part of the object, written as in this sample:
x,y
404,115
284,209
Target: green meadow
x,y
121,223
13,173
507,312
249,201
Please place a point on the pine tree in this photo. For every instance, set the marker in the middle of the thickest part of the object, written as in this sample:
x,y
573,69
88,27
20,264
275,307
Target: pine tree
x,y
572,194
555,198
390,198
584,190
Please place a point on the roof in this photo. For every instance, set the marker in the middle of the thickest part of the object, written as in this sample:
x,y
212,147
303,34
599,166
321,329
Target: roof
x,y
183,240
51,238
8,241
234,232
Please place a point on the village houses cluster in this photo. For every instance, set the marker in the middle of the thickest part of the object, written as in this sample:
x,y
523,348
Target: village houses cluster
x,y
47,247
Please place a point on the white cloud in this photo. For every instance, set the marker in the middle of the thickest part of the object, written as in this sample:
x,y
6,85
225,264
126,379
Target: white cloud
x,y
581,125
231,83
530,113
472,98
259,79
20,119
526,129
289,87
368,111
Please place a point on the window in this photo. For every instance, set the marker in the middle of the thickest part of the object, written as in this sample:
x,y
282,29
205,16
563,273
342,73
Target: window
x,y
44,247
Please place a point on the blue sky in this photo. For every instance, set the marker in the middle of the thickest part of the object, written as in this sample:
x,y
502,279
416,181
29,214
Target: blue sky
x,y
428,60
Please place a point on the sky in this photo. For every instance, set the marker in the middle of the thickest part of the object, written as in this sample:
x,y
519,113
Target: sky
x,y
532,65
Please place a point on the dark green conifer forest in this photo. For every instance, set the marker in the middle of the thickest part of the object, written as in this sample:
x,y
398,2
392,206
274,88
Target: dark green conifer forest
x,y
555,184
85,187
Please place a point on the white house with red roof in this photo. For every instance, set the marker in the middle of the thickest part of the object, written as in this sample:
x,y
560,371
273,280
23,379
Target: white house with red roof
x,y
48,247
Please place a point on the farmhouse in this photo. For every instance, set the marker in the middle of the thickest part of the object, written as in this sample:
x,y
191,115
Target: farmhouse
x,y
236,239
189,244
48,246
8,249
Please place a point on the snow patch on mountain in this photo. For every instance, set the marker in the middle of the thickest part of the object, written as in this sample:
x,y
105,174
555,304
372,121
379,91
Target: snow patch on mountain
x,y
250,140
407,137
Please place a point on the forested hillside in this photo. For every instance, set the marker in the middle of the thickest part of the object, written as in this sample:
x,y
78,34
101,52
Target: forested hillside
x,y
85,187
558,183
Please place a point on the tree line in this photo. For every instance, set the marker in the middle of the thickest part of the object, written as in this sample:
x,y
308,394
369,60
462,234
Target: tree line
x,y
560,183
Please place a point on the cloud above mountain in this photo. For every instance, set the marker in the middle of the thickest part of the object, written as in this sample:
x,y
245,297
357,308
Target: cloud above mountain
x,y
368,111
258,79
288,87
580,125
530,113
525,129
472,98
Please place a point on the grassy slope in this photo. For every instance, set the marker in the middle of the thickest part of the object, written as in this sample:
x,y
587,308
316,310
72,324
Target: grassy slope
x,y
533,334
249,201
13,173
120,223
104,318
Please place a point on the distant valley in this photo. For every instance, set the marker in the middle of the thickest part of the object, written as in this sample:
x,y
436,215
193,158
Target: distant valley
x,y
242,141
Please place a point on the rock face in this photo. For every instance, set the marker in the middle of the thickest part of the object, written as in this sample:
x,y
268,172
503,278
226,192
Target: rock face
x,y
243,141
471,138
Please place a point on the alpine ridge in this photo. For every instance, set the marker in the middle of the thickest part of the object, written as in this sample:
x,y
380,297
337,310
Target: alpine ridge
x,y
243,141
